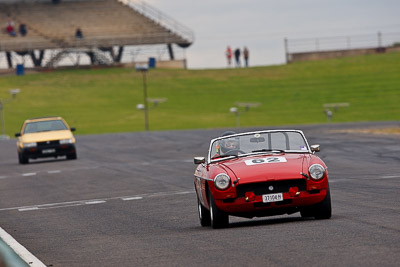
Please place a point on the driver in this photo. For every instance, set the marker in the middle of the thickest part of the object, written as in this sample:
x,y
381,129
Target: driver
x,y
226,145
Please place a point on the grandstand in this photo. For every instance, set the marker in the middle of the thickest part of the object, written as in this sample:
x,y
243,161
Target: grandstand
x,y
107,25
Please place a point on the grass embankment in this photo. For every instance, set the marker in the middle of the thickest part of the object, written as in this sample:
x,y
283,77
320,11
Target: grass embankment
x,y
104,100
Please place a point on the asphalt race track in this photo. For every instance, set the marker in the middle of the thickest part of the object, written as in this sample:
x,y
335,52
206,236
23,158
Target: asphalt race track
x,y
128,200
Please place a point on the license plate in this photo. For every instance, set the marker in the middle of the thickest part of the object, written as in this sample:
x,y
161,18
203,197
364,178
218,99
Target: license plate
x,y
272,197
48,151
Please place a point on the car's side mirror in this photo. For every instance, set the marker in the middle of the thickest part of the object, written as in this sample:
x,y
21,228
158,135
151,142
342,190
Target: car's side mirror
x,y
199,160
315,148
17,134
73,129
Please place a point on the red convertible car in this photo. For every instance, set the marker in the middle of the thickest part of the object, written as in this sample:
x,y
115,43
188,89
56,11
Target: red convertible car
x,y
262,173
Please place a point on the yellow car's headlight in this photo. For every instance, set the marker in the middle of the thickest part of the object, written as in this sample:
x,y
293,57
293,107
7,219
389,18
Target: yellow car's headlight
x,y
28,145
66,141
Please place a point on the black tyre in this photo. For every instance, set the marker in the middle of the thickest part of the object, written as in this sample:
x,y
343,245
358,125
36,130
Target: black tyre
x,y
219,219
72,156
204,214
323,210
306,212
22,158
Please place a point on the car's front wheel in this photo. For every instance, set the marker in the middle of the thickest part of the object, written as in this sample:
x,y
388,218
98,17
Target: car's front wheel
x,y
22,158
322,210
72,156
219,219
204,214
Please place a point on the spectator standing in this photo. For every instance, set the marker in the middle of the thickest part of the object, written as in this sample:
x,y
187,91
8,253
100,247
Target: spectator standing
x,y
78,33
22,29
10,28
228,54
237,57
246,56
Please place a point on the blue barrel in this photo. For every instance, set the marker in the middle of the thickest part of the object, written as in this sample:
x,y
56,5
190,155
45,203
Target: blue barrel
x,y
20,69
152,62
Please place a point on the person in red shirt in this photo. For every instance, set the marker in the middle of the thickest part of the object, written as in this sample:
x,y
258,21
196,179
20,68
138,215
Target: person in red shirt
x,y
228,54
10,28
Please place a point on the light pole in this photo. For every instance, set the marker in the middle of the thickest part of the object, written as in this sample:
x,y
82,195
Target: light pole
x,y
155,102
14,93
143,69
145,107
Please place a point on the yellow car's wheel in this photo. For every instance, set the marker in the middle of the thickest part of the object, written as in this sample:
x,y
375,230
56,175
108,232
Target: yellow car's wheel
x,y
22,158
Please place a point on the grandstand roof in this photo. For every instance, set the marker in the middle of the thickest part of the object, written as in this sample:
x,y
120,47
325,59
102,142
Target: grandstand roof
x,y
104,23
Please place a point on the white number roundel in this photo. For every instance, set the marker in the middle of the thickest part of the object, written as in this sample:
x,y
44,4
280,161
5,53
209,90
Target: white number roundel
x,y
265,160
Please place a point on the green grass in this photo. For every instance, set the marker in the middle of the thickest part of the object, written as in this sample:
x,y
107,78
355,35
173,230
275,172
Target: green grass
x,y
104,100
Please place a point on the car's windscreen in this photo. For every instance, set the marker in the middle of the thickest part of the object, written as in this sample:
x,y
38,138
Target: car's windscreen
x,y
282,141
44,126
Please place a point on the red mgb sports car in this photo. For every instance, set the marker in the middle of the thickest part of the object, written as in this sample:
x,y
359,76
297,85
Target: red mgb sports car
x,y
263,173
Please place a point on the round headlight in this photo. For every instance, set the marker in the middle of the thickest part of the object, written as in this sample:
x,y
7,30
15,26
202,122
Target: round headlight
x,y
317,172
222,181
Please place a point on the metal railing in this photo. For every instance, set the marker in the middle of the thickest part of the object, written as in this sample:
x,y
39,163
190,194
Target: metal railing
x,y
160,18
341,42
92,41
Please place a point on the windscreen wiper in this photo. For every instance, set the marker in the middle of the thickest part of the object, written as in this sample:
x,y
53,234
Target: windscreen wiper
x,y
224,156
269,150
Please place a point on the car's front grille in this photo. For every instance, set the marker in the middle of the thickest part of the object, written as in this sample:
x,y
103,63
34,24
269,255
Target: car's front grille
x,y
48,143
265,187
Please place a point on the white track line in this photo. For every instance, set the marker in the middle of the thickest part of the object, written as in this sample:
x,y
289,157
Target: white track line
x,y
131,198
390,176
37,173
94,201
20,250
29,174
28,209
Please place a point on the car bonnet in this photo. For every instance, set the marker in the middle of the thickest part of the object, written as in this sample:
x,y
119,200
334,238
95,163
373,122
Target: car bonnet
x,y
46,136
264,167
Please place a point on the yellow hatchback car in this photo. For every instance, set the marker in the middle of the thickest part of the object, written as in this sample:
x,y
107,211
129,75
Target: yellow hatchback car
x,y
45,137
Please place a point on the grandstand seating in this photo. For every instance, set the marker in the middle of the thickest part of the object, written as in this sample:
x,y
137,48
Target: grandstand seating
x,y
104,23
